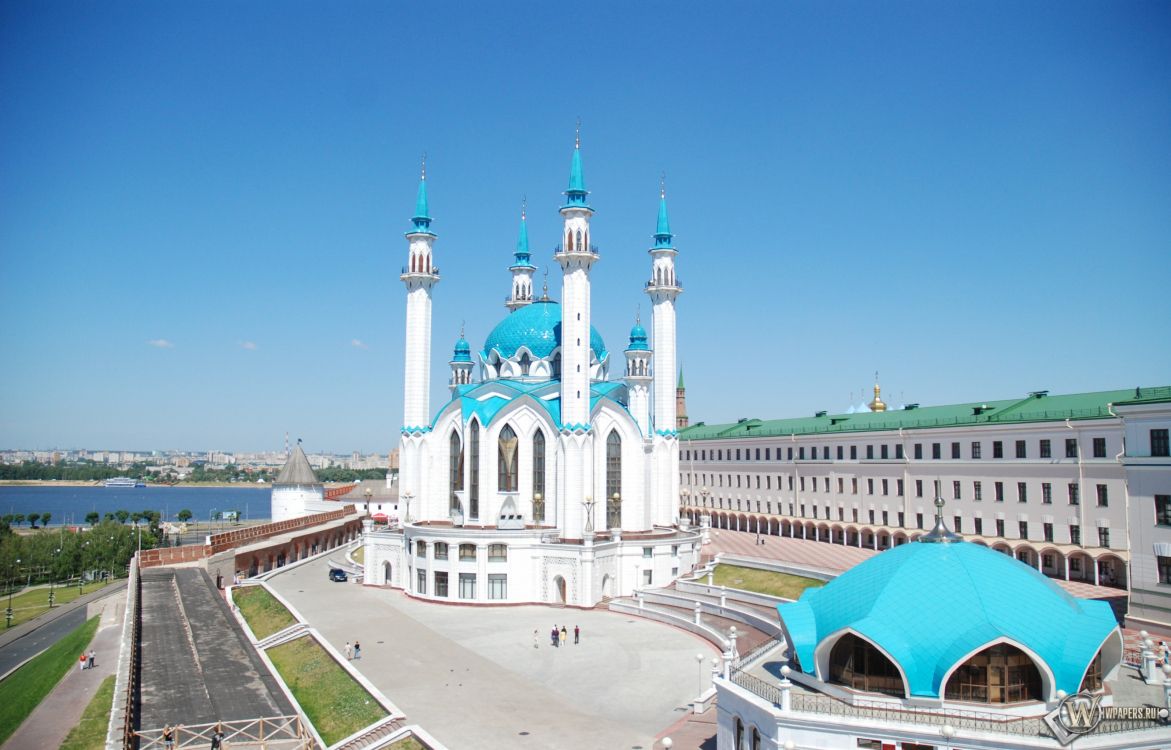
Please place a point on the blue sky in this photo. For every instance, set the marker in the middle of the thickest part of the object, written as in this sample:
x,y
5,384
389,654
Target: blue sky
x,y
202,205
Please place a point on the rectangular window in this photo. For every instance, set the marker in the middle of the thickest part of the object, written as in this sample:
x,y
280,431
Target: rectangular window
x,y
854,514
919,520
440,550
1000,492
1047,528
902,520
1103,536
825,452
976,449
1074,496
790,453
869,486
1024,529
955,490
801,453
886,518
497,553
1046,449
802,484
977,491
978,523
958,522
1164,566
467,585
885,487
1021,451
768,454
737,454
936,451
1100,447
758,454
790,482
870,515
840,453
869,452
1071,447
1075,535
421,581
884,451
918,451
815,511
854,485
648,552
1022,492
420,549
997,449
853,453
900,486
918,488
1046,493
841,486
1159,445
1163,510
441,583
497,586
648,578
1103,498
899,451
955,450
467,552
999,527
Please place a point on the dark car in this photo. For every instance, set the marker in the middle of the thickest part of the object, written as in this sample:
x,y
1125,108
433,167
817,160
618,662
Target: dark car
x,y
337,574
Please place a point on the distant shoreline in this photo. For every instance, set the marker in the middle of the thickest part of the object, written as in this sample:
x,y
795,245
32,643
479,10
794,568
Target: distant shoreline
x,y
101,482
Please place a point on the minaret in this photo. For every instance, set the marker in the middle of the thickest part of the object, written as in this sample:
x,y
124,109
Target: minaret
x,y
638,377
663,288
461,364
680,403
576,256
419,276
522,269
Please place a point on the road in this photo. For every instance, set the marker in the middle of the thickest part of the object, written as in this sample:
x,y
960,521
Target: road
x,y
12,654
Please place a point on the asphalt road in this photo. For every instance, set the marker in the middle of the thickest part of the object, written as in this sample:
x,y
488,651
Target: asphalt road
x,y
40,639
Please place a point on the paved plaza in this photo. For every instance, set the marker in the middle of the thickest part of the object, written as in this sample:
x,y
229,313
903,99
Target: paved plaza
x,y
470,675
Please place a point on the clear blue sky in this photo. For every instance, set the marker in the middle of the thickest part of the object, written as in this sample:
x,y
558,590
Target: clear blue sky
x,y
202,204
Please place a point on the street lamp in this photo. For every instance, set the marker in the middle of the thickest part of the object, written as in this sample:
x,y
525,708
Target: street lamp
x,y
538,507
616,499
52,581
8,612
699,661
368,493
407,496
703,493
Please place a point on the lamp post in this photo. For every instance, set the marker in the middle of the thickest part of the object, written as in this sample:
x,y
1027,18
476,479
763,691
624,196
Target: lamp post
x,y
368,493
615,501
703,493
407,496
52,578
683,495
538,504
699,661
588,503
8,612
111,557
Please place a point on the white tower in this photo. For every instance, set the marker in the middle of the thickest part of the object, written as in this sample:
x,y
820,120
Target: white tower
x,y
663,288
638,378
522,269
420,275
576,256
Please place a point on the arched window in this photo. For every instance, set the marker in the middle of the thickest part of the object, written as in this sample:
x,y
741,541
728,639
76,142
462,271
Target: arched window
x,y
1093,679
856,663
538,477
506,461
998,674
755,739
738,729
474,458
580,247
455,459
525,362
613,480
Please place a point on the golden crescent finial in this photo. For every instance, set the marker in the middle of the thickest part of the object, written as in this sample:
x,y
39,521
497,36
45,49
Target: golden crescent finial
x,y
577,136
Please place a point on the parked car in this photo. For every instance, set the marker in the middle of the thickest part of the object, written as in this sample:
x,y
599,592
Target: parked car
x,y
339,575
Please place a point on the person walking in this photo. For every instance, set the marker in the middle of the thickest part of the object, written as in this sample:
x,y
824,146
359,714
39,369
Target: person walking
x,y
564,635
81,664
169,737
357,650
576,635
217,736
553,636
349,651
92,659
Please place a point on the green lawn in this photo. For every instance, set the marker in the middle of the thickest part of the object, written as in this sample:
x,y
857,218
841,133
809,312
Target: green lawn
x,y
33,602
764,581
264,614
25,688
90,734
408,743
336,704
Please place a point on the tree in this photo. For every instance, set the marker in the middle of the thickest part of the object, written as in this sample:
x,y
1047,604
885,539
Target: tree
x,y
8,518
135,517
19,518
92,518
184,516
122,515
33,518
45,518
108,517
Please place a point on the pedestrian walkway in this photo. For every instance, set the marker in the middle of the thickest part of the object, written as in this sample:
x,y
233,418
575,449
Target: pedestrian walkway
x,y
60,711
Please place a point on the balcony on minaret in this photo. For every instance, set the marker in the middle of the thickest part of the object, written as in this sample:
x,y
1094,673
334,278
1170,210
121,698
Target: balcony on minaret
x,y
419,271
575,249
666,281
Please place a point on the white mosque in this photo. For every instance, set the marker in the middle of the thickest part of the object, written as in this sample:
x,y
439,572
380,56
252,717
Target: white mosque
x,y
545,480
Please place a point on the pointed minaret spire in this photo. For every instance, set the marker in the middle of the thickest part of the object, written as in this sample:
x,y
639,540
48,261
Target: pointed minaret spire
x,y
663,236
576,194
422,218
680,402
522,267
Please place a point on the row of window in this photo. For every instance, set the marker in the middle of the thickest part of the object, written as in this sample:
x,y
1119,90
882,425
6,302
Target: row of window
x,y
496,552
497,584
1044,450
1073,489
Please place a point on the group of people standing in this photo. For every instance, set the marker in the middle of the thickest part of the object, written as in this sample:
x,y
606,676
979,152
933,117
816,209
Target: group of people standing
x,y
353,651
560,637
86,661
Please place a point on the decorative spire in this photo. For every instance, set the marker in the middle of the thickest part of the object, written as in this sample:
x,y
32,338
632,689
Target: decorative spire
x,y
940,534
522,238
545,287
422,218
576,194
877,404
663,236
680,386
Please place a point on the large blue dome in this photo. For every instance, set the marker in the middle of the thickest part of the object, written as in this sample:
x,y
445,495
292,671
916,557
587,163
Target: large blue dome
x,y
930,606
537,327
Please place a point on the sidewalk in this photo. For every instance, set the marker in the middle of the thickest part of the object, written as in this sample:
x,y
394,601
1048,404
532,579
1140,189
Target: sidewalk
x,y
61,709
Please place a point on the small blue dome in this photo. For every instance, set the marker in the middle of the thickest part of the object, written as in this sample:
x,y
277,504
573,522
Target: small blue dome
x,y
638,339
463,351
930,606
536,327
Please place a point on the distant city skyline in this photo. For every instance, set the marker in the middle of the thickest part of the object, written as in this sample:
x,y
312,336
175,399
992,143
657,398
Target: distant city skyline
x,y
204,206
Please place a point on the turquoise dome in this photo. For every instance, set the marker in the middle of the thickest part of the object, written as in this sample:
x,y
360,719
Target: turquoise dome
x,y
638,339
463,351
929,606
537,327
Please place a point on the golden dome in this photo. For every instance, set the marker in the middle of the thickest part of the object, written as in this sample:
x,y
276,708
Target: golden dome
x,y
877,404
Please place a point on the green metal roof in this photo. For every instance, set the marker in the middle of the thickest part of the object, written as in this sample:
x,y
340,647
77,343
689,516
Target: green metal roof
x,y
1033,408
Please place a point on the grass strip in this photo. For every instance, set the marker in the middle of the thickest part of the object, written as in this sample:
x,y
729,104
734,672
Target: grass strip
x,y
264,614
407,743
90,733
35,602
360,556
336,704
764,581
24,689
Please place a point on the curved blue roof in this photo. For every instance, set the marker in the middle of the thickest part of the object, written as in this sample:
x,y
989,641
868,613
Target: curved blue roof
x,y
463,351
536,327
930,605
638,339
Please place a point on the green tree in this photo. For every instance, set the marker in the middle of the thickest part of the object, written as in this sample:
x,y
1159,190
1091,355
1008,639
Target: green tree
x,y
122,515
136,517
19,518
33,518
8,518
45,518
108,517
184,516
92,518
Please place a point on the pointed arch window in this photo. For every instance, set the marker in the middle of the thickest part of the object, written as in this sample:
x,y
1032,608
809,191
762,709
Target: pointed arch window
x,y
455,457
999,674
539,477
580,247
506,460
613,480
474,459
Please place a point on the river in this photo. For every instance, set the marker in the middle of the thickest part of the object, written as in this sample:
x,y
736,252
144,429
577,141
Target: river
x,y
69,505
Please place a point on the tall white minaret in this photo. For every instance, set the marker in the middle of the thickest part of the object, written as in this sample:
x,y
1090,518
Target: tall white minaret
x,y
576,256
663,288
522,269
419,276
638,377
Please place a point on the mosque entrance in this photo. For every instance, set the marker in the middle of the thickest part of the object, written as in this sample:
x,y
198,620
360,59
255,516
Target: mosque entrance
x,y
558,590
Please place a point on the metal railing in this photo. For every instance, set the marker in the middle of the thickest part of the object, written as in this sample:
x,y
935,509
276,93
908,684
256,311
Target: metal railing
x,y
288,731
